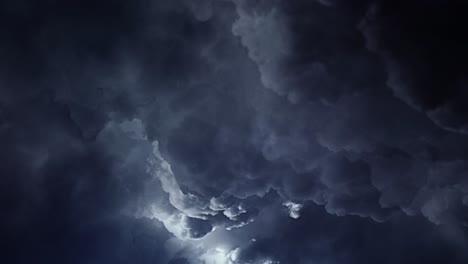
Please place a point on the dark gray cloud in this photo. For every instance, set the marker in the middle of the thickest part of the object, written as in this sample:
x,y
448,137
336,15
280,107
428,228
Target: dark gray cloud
x,y
233,132
327,240
345,111
414,49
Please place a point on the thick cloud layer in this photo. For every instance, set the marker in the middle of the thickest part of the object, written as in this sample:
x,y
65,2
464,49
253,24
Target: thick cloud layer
x,y
414,48
233,132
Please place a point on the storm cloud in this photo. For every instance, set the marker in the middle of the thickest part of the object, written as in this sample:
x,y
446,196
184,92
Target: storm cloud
x,y
233,131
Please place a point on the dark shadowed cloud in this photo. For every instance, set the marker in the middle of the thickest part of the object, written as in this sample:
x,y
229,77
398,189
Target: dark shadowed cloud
x,y
233,132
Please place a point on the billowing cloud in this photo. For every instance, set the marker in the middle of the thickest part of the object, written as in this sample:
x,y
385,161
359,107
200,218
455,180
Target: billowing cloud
x,y
233,132
426,61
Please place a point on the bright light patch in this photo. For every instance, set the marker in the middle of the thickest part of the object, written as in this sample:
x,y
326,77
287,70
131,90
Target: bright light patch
x,y
220,256
294,209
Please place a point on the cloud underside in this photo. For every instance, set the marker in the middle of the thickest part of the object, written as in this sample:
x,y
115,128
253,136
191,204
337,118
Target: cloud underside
x,y
233,132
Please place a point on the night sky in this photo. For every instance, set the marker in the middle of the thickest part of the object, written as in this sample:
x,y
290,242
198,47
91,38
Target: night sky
x,y
234,131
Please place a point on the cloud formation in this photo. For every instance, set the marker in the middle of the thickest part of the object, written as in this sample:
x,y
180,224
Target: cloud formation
x,y
225,132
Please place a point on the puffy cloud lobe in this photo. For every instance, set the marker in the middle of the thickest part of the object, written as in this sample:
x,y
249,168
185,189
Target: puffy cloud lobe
x,y
185,215
265,37
190,216
294,209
